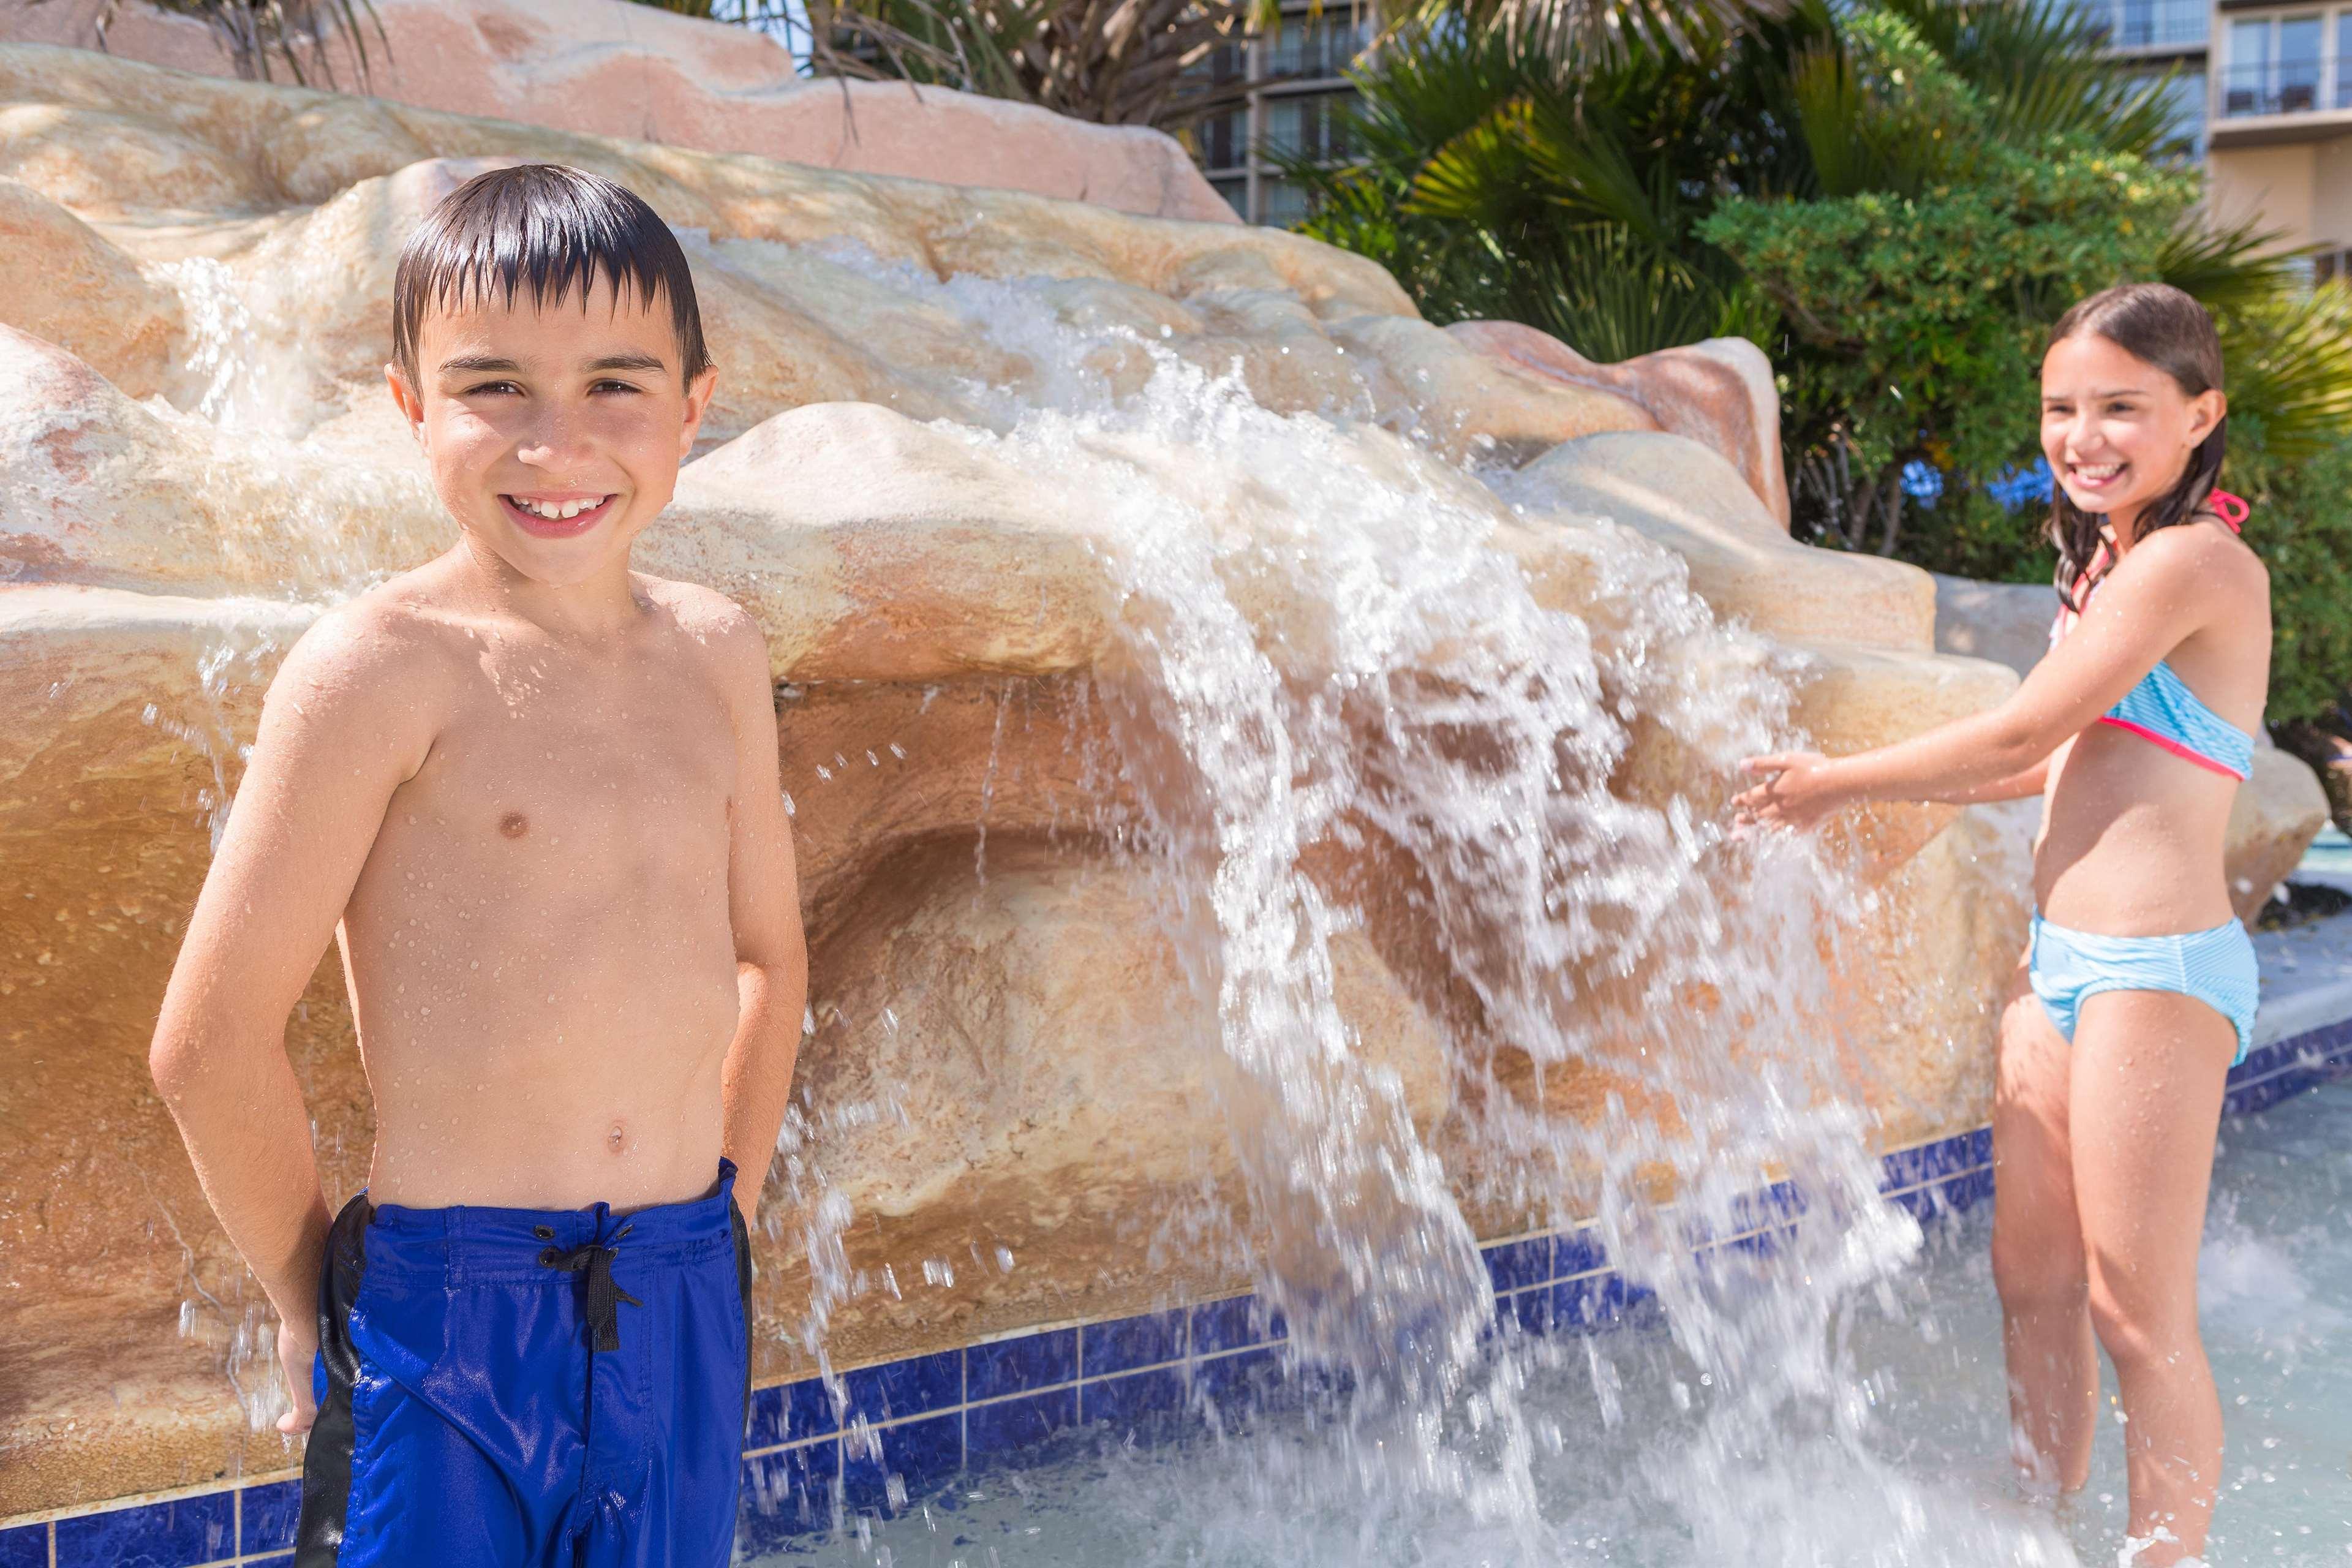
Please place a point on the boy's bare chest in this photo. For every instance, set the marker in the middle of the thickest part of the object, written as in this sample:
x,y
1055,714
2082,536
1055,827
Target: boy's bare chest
x,y
552,767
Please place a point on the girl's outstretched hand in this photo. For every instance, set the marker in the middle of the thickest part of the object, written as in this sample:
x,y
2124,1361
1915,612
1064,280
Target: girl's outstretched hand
x,y
1796,792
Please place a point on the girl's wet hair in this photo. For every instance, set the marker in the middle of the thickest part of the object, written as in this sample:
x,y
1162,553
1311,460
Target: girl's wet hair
x,y
553,231
2158,323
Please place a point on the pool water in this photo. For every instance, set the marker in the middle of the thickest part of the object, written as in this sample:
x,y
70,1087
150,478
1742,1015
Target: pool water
x,y
1635,1462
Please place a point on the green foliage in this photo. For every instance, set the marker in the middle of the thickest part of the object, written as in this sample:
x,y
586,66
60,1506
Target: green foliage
x,y
1896,199
1924,315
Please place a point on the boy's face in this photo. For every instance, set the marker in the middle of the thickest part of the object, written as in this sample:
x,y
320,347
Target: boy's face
x,y
555,431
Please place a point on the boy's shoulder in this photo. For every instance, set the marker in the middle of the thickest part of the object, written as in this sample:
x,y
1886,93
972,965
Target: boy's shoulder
x,y
393,632
710,618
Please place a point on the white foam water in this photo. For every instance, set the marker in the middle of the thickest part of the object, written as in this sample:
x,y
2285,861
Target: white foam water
x,y
1336,630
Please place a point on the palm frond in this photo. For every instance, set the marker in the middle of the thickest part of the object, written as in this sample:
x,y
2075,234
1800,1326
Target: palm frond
x,y
300,35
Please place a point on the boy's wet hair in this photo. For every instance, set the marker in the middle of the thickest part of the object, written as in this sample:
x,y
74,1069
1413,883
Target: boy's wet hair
x,y
550,231
2164,326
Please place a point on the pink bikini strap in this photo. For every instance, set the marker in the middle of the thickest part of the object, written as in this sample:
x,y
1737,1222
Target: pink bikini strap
x,y
2229,509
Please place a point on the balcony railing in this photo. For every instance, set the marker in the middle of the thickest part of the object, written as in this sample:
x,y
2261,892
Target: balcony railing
x,y
2150,24
2285,86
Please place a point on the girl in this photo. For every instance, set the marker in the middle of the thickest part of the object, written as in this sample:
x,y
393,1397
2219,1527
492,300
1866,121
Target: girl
x,y
2136,993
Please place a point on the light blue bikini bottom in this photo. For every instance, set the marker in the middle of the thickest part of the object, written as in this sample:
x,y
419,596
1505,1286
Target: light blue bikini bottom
x,y
2217,967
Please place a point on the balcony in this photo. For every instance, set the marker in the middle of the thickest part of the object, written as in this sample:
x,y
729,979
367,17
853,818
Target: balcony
x,y
2267,103
2151,26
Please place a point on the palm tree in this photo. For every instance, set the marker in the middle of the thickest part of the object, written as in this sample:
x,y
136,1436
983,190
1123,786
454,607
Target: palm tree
x,y
1572,36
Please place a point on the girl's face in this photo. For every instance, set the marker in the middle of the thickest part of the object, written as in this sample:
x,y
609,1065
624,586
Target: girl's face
x,y
2117,430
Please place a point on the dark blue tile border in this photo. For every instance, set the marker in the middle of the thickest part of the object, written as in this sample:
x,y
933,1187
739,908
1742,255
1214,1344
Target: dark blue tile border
x,y
180,1534
901,1388
1125,1343
26,1546
267,1520
1154,1375
1015,1366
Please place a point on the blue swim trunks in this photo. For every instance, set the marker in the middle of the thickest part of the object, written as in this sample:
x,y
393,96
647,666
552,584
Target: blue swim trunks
x,y
529,1387
2217,967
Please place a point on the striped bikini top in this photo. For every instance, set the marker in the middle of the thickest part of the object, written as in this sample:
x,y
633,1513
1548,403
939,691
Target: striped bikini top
x,y
2161,708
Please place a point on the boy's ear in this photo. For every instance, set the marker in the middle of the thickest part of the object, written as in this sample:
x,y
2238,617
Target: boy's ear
x,y
411,407
698,404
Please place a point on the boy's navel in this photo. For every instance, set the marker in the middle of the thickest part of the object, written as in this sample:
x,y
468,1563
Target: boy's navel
x,y
514,825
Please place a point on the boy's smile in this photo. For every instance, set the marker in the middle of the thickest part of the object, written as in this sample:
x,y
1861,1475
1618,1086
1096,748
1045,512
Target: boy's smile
x,y
554,427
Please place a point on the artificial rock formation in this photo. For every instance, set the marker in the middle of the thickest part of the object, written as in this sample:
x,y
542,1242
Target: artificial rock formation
x,y
1015,1078
619,69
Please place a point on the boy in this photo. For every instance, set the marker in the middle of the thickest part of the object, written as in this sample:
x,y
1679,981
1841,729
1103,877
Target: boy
x,y
535,797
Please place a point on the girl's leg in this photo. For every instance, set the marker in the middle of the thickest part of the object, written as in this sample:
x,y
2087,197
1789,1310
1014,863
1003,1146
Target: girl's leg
x,y
2149,1068
2038,1260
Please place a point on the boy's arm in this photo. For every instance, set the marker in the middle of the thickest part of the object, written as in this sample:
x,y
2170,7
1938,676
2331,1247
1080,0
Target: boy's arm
x,y
341,729
764,907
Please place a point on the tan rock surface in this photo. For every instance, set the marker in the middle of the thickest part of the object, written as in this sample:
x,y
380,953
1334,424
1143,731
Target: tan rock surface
x,y
1719,393
1691,500
615,69
984,780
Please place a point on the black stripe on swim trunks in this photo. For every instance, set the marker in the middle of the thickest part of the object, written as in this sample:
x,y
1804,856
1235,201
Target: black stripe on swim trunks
x,y
327,1461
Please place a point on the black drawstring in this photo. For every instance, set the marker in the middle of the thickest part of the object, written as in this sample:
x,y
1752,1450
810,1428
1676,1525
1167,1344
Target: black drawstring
x,y
603,1297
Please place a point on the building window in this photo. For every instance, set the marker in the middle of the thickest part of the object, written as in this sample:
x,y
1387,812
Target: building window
x,y
2161,24
2276,65
2148,24
2332,266
1298,102
2184,94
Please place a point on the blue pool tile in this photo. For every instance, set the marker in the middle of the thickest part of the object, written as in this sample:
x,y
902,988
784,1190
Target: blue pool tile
x,y
1596,1301
1009,1425
1130,1343
1238,1383
1014,1366
1966,1192
269,1516
1578,1251
1138,1401
1919,1201
2259,1097
1775,1205
1930,1161
1516,1265
1529,1311
923,1455
174,1534
910,1387
26,1546
2263,1061
1232,1324
1763,1243
787,1493
283,1560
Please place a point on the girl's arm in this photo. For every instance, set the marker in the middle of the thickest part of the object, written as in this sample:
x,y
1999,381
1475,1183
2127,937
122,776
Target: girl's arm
x,y
2155,598
2022,785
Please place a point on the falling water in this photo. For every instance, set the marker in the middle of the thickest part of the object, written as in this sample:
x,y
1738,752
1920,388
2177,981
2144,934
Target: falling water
x,y
1335,627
